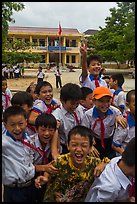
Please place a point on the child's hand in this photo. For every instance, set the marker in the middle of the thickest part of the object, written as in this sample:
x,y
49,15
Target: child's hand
x,y
99,168
83,49
40,180
121,120
94,152
50,168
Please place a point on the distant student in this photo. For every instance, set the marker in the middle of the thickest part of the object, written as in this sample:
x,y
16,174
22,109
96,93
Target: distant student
x,y
6,94
114,182
93,65
69,114
118,100
102,73
101,119
45,102
76,169
122,136
40,75
58,77
86,102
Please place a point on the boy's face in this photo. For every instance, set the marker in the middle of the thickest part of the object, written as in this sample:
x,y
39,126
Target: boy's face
x,y
46,94
4,86
79,147
88,102
16,125
112,83
103,104
70,105
94,67
45,134
131,105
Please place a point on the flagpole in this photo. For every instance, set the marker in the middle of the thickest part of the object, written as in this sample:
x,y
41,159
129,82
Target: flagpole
x,y
59,51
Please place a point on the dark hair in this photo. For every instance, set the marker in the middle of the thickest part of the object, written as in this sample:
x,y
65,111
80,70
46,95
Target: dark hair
x,y
128,156
119,78
70,91
12,111
83,132
129,94
85,92
40,85
93,57
46,120
22,97
106,77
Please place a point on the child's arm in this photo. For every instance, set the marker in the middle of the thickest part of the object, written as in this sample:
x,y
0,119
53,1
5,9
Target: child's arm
x,y
49,168
55,144
83,51
117,149
121,120
32,117
41,180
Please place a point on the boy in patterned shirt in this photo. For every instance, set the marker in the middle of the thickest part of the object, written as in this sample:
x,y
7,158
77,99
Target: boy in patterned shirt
x,y
76,169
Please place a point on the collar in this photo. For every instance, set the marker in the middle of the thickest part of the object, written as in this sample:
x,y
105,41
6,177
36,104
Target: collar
x,y
12,137
130,120
96,114
118,91
92,77
53,102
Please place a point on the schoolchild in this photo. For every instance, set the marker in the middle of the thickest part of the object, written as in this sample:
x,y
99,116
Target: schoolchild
x,y
31,89
76,169
91,64
114,182
86,102
6,94
45,102
119,99
123,136
69,114
40,75
101,119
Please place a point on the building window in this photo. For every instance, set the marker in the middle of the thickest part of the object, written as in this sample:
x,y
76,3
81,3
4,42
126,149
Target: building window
x,y
67,59
41,42
73,43
35,42
73,58
27,40
67,42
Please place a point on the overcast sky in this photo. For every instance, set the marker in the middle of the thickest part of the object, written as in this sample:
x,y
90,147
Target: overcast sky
x,y
80,15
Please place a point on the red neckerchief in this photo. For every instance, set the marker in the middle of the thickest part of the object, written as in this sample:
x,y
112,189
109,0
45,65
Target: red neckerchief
x,y
76,117
102,130
51,108
7,97
96,82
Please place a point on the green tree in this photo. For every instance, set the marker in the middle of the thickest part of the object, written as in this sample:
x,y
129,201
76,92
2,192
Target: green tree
x,y
116,42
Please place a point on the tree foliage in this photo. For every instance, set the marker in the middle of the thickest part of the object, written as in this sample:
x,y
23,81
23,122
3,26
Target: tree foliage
x,y
116,42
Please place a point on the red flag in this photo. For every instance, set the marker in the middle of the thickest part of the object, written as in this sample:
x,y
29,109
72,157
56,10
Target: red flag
x,y
60,29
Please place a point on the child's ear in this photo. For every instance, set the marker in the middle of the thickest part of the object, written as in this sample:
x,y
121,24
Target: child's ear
x,y
82,102
127,104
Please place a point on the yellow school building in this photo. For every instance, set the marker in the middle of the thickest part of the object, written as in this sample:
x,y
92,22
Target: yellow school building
x,y
47,42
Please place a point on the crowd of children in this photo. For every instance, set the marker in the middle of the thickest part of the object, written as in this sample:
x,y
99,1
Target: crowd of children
x,y
79,148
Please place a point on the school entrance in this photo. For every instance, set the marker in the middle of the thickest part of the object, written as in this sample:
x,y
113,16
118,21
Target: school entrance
x,y
54,57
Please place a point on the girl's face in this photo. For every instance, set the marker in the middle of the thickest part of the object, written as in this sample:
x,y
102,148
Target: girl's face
x,y
46,94
103,104
79,148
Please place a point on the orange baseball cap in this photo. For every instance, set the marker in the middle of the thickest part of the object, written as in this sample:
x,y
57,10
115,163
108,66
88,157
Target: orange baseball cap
x,y
101,91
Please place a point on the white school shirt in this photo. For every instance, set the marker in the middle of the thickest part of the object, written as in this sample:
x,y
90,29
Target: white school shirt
x,y
120,99
58,73
91,83
40,75
111,186
40,107
67,122
17,160
92,114
36,143
8,92
122,136
82,109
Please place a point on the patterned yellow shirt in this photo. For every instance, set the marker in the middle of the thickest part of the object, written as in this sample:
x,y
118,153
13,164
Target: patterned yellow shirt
x,y
71,183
